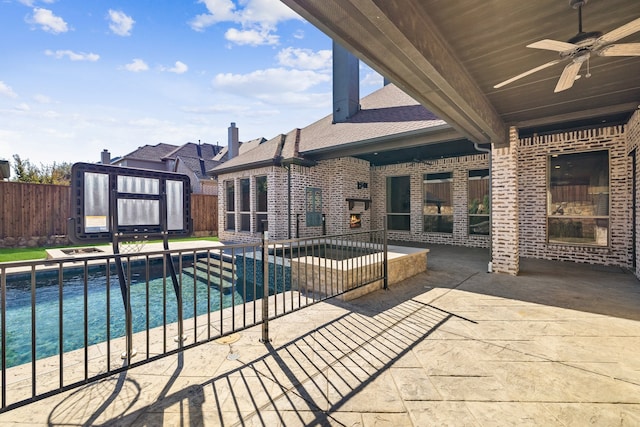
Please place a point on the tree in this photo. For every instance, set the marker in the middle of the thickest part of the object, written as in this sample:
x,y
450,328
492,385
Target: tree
x,y
56,173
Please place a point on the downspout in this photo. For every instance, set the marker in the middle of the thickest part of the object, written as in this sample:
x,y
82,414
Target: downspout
x,y
289,198
488,151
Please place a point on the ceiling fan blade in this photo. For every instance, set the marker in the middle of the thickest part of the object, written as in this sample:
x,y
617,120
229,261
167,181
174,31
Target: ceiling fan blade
x,y
568,76
621,32
526,73
624,49
554,45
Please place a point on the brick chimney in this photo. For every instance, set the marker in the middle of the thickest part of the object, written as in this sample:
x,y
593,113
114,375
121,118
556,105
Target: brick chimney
x,y
346,84
105,157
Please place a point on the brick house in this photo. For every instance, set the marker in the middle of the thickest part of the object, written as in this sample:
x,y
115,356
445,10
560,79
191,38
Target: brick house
x,y
559,193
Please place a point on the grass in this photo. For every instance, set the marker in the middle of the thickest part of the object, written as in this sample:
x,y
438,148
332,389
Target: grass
x,y
26,254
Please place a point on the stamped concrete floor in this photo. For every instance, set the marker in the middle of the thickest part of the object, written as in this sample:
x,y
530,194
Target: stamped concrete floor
x,y
558,345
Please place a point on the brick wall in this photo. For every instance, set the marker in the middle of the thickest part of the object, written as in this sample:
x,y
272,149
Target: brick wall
x,y
460,167
338,179
532,182
633,143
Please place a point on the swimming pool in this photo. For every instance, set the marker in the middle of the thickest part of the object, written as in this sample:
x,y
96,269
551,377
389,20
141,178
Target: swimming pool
x,y
160,294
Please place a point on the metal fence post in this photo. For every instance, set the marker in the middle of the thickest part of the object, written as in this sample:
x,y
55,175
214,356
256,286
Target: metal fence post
x,y
385,262
265,282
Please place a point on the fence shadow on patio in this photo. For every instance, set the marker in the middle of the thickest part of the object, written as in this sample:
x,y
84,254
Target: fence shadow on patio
x,y
303,381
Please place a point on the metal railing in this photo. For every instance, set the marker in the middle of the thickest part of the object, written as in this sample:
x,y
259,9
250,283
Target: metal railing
x,y
64,322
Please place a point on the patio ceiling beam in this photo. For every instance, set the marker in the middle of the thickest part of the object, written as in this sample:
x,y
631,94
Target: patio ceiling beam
x,y
399,40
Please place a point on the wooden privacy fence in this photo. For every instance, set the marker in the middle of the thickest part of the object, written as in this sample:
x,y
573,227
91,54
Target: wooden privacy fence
x,y
33,209
204,211
28,210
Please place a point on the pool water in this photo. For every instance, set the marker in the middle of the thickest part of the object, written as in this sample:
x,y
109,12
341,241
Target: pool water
x,y
18,316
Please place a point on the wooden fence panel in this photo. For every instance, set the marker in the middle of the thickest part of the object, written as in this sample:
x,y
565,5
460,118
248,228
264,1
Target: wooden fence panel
x,y
204,211
33,209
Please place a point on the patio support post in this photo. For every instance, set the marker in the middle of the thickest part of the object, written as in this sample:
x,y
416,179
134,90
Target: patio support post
x,y
505,232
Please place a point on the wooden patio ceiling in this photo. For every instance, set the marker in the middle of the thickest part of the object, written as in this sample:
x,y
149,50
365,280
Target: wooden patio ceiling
x,y
449,55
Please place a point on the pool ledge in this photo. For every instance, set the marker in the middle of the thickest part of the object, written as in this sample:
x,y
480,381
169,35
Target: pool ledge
x,y
403,262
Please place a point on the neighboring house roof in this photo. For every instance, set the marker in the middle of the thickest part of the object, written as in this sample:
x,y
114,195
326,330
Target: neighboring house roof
x,y
191,149
386,114
149,153
197,165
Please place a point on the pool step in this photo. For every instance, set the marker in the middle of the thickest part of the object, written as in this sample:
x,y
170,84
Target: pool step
x,y
217,272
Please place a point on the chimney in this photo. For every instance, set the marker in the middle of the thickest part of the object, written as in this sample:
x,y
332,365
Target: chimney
x,y
346,84
233,144
105,157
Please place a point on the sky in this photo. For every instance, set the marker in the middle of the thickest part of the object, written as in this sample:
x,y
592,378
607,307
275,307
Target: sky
x,y
79,76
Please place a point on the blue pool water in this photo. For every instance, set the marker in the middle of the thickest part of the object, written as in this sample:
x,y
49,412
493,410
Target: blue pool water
x,y
18,316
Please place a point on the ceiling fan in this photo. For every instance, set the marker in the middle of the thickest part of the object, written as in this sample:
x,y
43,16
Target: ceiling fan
x,y
580,47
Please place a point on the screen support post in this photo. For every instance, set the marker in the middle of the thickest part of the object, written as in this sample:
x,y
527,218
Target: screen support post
x,y
172,270
124,286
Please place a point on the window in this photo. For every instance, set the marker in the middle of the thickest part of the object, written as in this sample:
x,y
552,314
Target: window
x,y
399,203
479,202
437,206
230,204
245,204
261,201
314,207
578,198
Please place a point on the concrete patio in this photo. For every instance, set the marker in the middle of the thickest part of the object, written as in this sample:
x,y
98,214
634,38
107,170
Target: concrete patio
x,y
557,345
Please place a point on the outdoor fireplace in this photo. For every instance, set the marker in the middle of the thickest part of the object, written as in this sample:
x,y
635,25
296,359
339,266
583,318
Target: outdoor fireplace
x,y
355,220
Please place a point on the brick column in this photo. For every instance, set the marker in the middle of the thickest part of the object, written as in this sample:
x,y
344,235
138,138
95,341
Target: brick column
x,y
505,234
633,143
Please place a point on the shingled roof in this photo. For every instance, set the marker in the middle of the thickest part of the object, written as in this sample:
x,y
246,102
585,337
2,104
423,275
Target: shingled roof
x,y
191,149
197,165
267,153
387,113
151,152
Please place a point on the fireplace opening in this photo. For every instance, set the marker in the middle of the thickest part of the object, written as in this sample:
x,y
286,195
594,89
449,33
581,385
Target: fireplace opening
x,y
355,220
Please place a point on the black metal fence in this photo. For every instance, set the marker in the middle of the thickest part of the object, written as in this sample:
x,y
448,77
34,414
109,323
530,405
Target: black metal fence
x,y
64,322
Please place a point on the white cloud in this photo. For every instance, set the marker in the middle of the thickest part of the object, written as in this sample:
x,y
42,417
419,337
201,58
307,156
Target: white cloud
x,y
219,11
271,84
23,106
30,3
251,37
372,78
258,19
42,99
6,90
178,68
73,56
48,21
120,23
137,65
305,58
